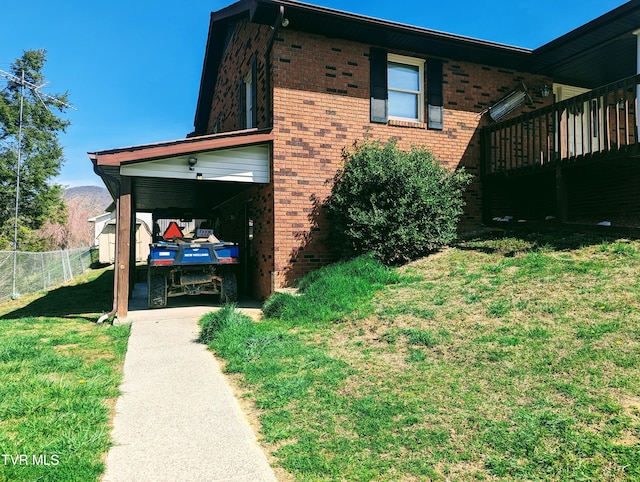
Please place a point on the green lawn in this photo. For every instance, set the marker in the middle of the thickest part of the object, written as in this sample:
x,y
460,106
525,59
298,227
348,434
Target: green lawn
x,y
59,377
502,358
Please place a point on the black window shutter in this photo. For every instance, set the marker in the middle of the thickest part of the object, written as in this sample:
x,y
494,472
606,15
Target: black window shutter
x,y
435,98
379,94
242,115
254,93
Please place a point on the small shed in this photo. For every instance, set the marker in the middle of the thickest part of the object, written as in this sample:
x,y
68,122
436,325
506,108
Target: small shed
x,y
105,236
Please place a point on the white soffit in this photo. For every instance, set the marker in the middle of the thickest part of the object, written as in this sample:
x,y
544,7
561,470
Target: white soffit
x,y
241,164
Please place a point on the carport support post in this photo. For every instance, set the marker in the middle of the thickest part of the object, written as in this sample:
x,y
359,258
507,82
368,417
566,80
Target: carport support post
x,y
133,270
123,224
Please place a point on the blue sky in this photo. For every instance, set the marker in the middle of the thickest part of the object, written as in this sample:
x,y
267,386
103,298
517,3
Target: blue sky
x,y
132,68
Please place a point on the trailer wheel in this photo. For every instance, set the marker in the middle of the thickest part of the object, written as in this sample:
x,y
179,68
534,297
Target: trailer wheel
x,y
229,288
157,290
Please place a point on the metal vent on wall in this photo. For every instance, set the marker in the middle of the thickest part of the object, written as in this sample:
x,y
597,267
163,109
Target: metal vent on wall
x,y
503,107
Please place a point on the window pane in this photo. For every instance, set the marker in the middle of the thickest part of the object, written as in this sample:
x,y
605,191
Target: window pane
x,y
402,104
404,77
249,102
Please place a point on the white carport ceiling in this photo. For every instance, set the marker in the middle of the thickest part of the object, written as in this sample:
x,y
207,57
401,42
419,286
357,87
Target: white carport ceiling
x,y
247,164
227,164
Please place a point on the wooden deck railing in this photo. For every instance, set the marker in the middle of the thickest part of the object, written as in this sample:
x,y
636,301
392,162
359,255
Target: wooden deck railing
x,y
603,120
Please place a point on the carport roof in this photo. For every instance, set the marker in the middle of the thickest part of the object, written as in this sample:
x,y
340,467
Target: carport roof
x,y
154,193
189,145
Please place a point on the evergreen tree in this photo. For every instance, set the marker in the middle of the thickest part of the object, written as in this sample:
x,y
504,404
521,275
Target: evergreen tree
x,y
41,155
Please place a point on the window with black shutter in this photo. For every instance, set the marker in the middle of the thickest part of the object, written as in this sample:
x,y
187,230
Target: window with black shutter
x,y
379,93
398,89
242,117
435,98
247,99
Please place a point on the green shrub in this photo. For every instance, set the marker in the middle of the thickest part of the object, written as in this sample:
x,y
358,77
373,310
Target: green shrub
x,y
394,204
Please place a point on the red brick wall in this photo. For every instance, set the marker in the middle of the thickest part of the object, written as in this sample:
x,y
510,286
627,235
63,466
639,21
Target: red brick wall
x,y
321,105
248,41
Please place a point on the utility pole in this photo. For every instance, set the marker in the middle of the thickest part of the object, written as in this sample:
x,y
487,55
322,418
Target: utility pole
x,y
40,95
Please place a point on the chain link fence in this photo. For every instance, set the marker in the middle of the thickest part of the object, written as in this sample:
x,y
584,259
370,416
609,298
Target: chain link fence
x,y
36,272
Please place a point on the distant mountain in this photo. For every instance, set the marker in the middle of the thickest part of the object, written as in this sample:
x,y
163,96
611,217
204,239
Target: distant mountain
x,y
97,199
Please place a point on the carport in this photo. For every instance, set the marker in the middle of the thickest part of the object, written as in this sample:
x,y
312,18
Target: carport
x,y
184,175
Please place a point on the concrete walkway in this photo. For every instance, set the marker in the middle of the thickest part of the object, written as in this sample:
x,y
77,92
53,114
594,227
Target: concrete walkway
x,y
177,418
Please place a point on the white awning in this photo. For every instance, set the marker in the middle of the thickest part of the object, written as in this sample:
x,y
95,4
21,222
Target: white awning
x,y
248,164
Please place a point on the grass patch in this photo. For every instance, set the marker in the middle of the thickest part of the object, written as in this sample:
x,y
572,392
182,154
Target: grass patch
x,y
87,296
60,378
500,359
327,295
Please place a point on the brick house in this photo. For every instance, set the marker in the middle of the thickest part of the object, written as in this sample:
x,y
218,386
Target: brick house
x,y
286,86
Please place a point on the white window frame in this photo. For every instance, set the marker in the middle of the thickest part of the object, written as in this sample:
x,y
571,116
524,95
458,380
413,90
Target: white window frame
x,y
248,101
414,62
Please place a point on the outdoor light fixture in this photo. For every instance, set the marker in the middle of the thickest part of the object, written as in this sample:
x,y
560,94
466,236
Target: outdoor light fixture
x,y
192,162
285,21
199,176
621,103
544,92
